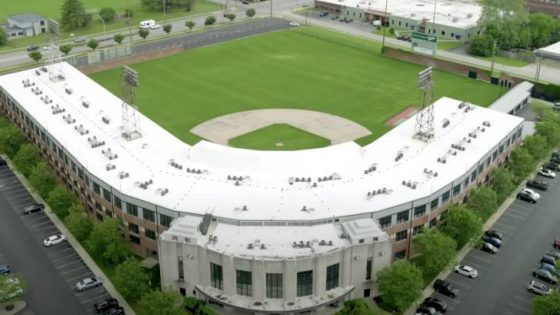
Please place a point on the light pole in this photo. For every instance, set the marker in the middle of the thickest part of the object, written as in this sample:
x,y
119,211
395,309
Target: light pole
x,y
164,4
493,57
103,21
384,26
270,8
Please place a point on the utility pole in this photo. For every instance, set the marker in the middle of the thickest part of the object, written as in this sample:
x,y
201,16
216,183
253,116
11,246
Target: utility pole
x,y
384,26
493,57
270,8
164,4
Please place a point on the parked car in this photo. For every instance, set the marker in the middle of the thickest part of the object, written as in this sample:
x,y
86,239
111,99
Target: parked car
x,y
349,20
548,260
492,240
552,166
79,40
3,162
119,310
427,310
494,234
556,243
88,283
106,305
526,196
531,192
547,173
545,275
4,270
538,184
33,208
438,304
294,23
489,248
554,254
556,154
445,288
335,17
538,288
555,159
466,271
550,268
32,48
342,20
324,13
54,240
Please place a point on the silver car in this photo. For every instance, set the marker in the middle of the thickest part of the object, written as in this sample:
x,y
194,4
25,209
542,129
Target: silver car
x,y
538,288
88,283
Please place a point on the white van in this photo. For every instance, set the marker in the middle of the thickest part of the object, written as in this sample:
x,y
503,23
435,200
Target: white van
x,y
148,24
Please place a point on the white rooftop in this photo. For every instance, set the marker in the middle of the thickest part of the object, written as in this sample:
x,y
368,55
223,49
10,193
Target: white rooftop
x,y
550,51
265,185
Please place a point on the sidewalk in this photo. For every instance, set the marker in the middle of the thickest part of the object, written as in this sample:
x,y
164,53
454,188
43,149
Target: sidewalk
x,y
75,244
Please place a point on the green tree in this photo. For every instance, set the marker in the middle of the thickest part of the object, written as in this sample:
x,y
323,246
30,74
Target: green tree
x,y
521,163
106,241
73,15
78,223
3,37
129,13
462,225
210,20
42,178
504,20
160,303
190,24
481,45
537,146
11,288
167,28
400,284
250,12
60,200
143,33
547,304
356,307
11,139
483,201
65,49
93,43
549,128
501,181
26,157
118,38
436,252
36,55
542,28
131,280
230,17
108,14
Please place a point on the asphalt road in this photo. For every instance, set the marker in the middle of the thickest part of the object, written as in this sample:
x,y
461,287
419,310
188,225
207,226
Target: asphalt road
x,y
51,273
501,287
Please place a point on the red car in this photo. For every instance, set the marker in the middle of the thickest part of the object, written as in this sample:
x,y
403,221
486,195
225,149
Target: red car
x,y
557,243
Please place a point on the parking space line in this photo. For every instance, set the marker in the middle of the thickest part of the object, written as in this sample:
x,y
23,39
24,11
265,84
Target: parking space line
x,y
505,225
91,290
527,310
74,279
530,302
479,258
69,263
58,252
474,264
98,297
514,216
64,257
456,282
42,223
446,298
75,269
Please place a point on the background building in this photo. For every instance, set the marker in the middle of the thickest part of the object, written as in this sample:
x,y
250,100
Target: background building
x,y
24,25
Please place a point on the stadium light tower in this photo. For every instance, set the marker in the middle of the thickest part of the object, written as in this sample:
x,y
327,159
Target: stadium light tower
x,y
55,55
424,128
129,111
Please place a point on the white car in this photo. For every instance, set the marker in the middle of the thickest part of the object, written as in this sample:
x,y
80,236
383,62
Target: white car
x,y
532,193
88,283
155,26
54,240
466,271
538,288
294,23
547,173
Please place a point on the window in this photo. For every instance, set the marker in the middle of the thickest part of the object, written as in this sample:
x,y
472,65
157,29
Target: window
x,y
96,188
216,277
244,283
456,190
180,268
473,176
385,222
418,229
401,235
304,283
445,196
117,202
149,215
134,239
106,195
433,222
367,292
98,206
419,211
480,168
165,220
402,216
150,234
332,276
400,255
133,228
132,209
368,268
274,286
434,204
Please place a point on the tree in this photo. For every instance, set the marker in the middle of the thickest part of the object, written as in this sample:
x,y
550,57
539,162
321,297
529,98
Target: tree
x,y
502,16
549,128
542,28
483,201
107,14
129,13
537,146
160,303
93,43
210,20
3,37
462,225
167,28
521,163
143,33
65,49
36,55
250,12
501,181
190,24
11,139
547,304
73,15
118,38
78,223
26,157
356,307
60,200
42,179
436,249
400,284
11,288
481,45
106,241
131,280
230,17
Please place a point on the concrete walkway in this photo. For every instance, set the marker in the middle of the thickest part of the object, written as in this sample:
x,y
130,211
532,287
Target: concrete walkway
x,y
18,306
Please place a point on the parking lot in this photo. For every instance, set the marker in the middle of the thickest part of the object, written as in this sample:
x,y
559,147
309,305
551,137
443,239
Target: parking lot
x,y
501,286
51,272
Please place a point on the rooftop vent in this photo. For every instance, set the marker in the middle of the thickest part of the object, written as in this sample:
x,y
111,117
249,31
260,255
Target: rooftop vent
x,y
146,184
446,123
442,160
462,104
399,156
56,109
409,184
106,119
68,90
110,167
36,90
486,123
85,103
371,169
194,171
162,191
27,83
81,130
46,99
37,72
69,119
94,142
430,172
109,154
123,175
175,164
205,223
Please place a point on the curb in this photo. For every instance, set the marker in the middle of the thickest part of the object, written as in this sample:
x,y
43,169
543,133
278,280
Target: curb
x,y
18,306
107,284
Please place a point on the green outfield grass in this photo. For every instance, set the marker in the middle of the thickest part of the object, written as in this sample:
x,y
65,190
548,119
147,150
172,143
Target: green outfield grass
x,y
305,68
279,137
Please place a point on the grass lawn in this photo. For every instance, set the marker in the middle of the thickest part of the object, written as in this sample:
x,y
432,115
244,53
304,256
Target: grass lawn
x,y
51,9
449,44
279,137
305,68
